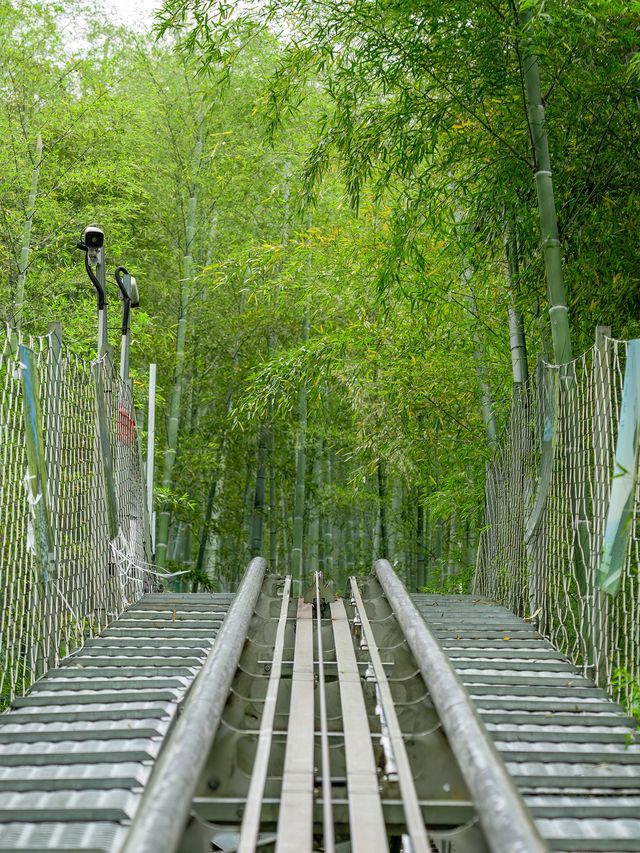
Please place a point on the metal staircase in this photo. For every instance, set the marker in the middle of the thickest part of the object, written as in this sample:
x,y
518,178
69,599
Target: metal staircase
x,y
370,722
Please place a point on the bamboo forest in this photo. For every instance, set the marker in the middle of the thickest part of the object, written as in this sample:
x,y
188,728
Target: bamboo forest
x,y
309,287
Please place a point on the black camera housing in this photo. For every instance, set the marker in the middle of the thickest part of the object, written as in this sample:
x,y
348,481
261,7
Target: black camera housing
x,y
93,237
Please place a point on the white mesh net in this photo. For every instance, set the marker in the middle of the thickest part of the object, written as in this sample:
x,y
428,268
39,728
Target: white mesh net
x,y
546,503
92,576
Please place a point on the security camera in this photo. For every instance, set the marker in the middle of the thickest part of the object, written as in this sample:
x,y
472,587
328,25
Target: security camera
x,y
93,237
133,293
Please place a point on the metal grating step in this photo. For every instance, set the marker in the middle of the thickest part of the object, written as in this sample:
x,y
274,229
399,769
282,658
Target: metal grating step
x,y
76,752
570,748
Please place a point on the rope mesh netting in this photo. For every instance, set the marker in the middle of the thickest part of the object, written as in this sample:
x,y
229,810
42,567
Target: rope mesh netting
x,y
547,500
94,563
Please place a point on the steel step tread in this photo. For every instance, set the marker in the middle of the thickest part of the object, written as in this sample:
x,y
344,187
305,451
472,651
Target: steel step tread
x,y
166,668
153,661
88,837
184,597
51,686
146,648
521,682
74,776
81,730
115,804
90,697
32,714
78,752
554,705
505,653
569,748
169,623
504,642
117,631
591,834
533,717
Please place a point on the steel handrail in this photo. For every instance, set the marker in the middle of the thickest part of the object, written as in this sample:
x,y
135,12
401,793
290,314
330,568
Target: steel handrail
x,y
504,817
163,812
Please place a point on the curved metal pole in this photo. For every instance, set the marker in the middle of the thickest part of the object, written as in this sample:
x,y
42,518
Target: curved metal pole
x,y
161,817
506,822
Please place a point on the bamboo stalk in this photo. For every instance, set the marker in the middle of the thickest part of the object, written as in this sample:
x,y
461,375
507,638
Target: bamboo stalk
x,y
175,395
552,251
301,468
23,263
517,341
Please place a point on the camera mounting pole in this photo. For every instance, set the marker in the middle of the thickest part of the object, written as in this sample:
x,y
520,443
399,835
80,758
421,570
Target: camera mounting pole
x,y
92,244
130,299
101,275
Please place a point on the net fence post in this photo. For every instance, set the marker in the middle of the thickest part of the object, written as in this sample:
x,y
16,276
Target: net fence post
x,y
102,370
43,543
103,428
151,443
602,440
53,427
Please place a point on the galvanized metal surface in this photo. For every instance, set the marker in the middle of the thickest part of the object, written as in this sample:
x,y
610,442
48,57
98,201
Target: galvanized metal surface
x,y
76,752
366,818
507,824
391,730
355,756
573,753
295,820
159,822
251,818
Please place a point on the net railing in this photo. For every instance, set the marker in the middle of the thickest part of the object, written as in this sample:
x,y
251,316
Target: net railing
x,y
551,510
72,527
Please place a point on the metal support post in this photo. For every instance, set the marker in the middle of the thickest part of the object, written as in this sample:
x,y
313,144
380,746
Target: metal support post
x,y
53,426
129,295
43,539
101,275
598,646
106,457
151,442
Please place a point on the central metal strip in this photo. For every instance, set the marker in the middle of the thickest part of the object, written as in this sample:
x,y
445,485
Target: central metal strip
x,y
295,821
366,819
412,810
327,793
251,819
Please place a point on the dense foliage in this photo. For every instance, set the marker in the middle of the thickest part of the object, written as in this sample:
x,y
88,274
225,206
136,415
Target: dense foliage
x,y
316,201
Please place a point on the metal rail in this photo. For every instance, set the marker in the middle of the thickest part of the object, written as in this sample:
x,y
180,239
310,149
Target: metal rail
x,y
413,812
251,819
327,805
366,818
506,822
295,820
159,821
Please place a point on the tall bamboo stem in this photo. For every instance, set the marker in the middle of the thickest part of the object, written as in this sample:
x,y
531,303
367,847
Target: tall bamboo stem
x,y
558,312
301,469
23,263
175,396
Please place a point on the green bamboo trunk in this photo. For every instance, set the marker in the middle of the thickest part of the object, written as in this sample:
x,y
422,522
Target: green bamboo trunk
x,y
25,250
327,516
257,521
421,577
175,396
273,505
558,313
517,340
301,471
